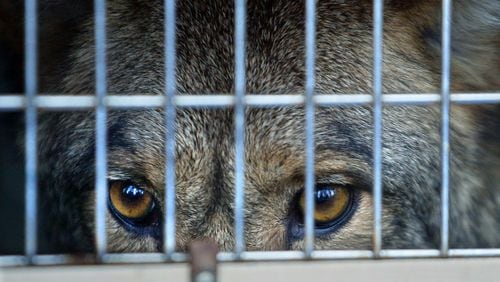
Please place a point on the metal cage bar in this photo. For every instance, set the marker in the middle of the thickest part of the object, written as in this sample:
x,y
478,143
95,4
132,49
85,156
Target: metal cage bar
x,y
239,124
31,88
32,101
141,258
101,128
445,125
138,101
310,109
378,40
170,114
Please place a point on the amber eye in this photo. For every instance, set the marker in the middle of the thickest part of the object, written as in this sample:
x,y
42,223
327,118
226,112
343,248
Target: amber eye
x,y
331,204
130,202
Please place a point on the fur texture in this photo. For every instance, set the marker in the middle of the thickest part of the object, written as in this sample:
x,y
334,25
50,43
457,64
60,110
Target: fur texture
x,y
275,137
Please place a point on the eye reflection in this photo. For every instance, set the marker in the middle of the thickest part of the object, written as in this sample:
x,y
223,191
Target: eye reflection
x,y
331,204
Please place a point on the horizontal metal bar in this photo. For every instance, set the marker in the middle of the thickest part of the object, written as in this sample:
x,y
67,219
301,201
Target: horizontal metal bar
x,y
145,258
66,102
342,254
114,258
410,253
79,102
204,101
13,260
274,100
468,98
342,99
474,253
267,256
62,259
434,253
414,99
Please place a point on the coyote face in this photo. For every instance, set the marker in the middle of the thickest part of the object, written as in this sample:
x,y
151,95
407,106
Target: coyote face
x,y
275,140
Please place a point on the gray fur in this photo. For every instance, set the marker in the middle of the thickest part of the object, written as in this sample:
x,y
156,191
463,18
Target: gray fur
x,y
275,137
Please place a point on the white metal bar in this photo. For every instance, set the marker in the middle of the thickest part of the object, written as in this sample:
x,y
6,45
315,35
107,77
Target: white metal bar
x,y
139,101
342,254
135,102
101,128
411,99
310,109
139,258
475,98
206,101
31,88
378,18
404,253
239,123
474,252
343,99
445,125
66,102
170,115
261,256
133,258
275,100
275,255
297,255
61,259
12,260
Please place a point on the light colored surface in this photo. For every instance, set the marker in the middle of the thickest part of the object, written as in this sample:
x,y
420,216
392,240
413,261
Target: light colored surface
x,y
442,270
108,273
452,270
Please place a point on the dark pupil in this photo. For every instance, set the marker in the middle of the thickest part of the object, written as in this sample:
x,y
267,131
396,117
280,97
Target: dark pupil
x,y
324,195
131,193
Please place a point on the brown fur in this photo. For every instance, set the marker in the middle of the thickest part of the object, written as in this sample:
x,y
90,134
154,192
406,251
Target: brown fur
x,y
275,137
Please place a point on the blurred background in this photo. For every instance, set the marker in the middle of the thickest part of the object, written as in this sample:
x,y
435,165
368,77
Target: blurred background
x,y
11,157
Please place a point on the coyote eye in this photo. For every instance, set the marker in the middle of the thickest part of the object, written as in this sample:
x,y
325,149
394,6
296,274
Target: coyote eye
x,y
333,204
132,204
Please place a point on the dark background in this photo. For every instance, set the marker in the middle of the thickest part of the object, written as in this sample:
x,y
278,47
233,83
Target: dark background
x,y
11,158
60,19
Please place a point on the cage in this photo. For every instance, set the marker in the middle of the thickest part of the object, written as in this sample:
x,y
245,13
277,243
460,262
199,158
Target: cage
x,y
379,264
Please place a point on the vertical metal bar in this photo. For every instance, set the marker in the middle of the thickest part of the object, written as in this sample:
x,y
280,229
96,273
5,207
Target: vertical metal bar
x,y
31,88
100,120
309,123
239,123
378,40
445,124
170,89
